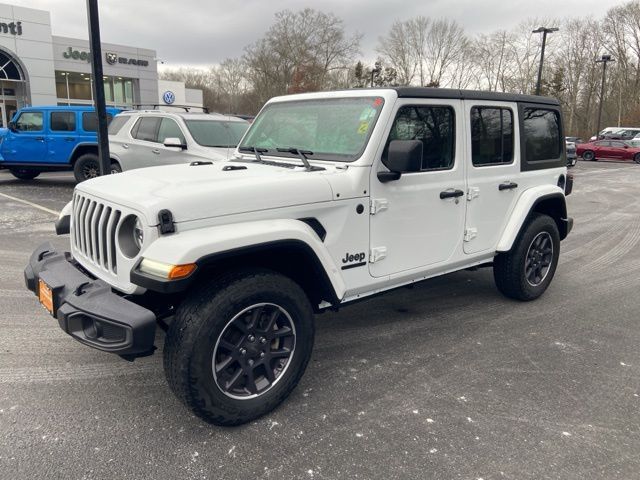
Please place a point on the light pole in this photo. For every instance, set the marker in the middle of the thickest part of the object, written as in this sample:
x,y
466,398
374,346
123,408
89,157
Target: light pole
x,y
544,31
604,60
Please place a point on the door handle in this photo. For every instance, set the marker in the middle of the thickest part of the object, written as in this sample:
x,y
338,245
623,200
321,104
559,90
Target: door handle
x,y
156,151
39,139
507,186
124,145
451,194
69,139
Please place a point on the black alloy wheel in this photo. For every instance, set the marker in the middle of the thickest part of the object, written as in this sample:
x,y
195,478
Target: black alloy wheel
x,y
254,351
538,259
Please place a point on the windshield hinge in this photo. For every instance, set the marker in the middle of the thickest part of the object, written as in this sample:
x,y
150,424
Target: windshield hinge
x,y
378,205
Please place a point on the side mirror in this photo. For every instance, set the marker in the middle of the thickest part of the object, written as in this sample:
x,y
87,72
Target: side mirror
x,y
626,146
12,126
175,143
402,156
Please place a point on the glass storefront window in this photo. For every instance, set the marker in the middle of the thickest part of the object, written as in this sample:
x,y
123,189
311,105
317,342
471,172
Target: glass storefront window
x,y
74,88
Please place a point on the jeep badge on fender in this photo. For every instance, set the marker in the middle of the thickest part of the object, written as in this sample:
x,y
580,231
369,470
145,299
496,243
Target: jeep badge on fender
x,y
261,242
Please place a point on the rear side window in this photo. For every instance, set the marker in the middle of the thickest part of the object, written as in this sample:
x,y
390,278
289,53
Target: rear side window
x,y
117,123
542,134
491,136
29,122
90,121
146,129
434,126
63,121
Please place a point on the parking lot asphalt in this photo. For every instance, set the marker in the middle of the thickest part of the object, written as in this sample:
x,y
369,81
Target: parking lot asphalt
x,y
446,380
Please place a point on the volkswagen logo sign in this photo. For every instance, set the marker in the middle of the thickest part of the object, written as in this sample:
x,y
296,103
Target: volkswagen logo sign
x,y
112,58
169,97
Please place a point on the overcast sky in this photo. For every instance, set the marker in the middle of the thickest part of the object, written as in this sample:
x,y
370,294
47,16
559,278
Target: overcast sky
x,y
205,32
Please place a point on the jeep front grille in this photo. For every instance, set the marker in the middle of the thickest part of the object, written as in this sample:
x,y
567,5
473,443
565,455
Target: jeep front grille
x,y
93,231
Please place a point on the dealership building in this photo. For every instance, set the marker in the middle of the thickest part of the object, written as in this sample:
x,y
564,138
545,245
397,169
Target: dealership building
x,y
38,68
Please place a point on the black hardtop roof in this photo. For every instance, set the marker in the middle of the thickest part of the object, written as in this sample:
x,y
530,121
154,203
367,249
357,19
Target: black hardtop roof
x,y
426,92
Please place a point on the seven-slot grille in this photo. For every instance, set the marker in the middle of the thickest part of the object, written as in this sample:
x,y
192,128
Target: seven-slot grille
x,y
94,231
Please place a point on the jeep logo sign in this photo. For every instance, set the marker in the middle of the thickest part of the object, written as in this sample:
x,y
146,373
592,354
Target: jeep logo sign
x,y
77,55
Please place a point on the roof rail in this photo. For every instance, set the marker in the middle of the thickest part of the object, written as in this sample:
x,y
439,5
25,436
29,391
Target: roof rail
x,y
187,108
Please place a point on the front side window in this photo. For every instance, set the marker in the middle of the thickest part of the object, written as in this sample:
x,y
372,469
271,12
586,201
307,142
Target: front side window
x,y
90,121
542,134
63,121
491,136
214,133
434,127
146,129
169,129
334,129
29,122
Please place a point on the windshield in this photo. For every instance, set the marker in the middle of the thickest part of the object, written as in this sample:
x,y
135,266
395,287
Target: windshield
x,y
214,133
331,128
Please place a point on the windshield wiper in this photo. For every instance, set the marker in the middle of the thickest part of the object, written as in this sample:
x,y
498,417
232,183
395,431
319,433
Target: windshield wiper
x,y
301,153
255,150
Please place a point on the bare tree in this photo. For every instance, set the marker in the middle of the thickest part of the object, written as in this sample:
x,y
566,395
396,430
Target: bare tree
x,y
397,49
492,55
446,44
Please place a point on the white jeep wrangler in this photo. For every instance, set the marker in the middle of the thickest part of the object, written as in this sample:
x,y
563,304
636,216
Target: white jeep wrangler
x,y
331,197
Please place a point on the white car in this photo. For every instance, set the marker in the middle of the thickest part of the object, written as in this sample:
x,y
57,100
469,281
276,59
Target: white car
x,y
146,138
332,197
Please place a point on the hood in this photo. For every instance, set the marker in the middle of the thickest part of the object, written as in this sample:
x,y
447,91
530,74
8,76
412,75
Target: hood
x,y
193,192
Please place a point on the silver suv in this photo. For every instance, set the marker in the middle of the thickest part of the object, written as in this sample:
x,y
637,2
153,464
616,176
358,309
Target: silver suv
x,y
145,138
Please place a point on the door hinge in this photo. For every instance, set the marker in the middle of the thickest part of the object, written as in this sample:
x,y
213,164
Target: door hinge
x,y
376,254
470,234
378,205
473,192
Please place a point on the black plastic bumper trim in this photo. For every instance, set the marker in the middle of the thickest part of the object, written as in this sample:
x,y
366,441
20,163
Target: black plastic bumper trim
x,y
88,309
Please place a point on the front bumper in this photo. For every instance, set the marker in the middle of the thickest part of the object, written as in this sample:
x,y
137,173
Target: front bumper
x,y
87,309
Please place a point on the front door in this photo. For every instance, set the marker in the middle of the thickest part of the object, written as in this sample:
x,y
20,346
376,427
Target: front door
x,y
418,219
493,169
27,143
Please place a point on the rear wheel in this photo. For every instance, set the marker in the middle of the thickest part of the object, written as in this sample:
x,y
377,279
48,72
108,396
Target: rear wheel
x,y
24,173
589,156
87,166
525,271
238,346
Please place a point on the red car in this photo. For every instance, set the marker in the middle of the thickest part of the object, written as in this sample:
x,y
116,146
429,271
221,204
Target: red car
x,y
609,149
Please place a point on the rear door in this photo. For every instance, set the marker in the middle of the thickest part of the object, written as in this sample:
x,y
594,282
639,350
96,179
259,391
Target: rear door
x,y
62,136
618,150
27,144
602,149
493,170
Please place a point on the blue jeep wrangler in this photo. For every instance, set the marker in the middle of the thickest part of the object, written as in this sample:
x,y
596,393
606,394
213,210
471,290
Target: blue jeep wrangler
x,y
49,139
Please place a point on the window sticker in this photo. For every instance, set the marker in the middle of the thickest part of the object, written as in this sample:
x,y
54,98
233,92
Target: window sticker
x,y
363,128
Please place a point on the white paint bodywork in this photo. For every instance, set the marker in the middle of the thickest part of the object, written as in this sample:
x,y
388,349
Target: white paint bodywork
x,y
412,235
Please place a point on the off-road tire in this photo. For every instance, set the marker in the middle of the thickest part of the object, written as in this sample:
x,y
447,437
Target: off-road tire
x,y
201,319
87,166
589,156
24,173
509,267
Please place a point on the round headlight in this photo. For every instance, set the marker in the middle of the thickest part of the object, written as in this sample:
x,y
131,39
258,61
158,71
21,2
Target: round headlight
x,y
131,236
138,233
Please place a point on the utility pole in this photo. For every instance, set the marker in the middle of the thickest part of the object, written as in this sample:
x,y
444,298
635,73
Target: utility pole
x,y
544,31
98,86
604,60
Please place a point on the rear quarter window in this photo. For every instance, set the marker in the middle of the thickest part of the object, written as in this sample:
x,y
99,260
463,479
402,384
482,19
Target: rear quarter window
x,y
90,121
542,141
117,123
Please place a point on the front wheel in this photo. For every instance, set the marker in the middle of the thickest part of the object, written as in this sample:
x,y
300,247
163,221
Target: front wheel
x,y
238,346
589,156
24,173
636,158
525,271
